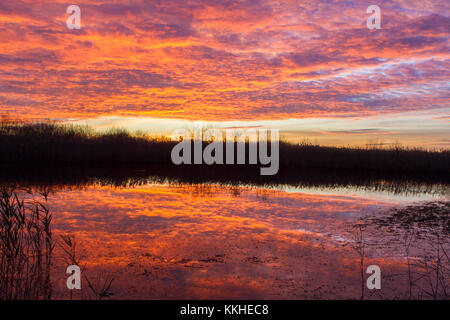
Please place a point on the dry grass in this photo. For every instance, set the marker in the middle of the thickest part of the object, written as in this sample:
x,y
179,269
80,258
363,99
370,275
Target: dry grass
x,y
26,247
26,251
419,233
49,144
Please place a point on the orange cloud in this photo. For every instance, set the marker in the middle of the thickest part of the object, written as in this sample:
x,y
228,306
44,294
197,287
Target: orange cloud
x,y
231,60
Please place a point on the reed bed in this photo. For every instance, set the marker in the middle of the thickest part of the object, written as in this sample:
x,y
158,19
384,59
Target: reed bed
x,y
50,144
26,247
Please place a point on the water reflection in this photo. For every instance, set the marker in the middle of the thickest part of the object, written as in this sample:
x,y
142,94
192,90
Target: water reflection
x,y
162,237
311,179
207,241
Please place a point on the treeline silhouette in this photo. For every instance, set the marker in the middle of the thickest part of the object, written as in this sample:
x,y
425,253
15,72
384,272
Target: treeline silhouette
x,y
53,145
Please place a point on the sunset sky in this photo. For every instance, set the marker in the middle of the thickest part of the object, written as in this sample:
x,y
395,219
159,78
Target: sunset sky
x,y
309,68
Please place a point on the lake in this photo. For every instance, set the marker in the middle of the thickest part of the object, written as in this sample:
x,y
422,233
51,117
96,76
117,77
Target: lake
x,y
170,240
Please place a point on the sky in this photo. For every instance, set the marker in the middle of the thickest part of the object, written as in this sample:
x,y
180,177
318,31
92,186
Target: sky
x,y
311,69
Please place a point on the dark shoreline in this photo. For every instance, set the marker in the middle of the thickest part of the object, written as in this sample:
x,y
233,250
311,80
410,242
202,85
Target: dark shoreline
x,y
126,176
54,152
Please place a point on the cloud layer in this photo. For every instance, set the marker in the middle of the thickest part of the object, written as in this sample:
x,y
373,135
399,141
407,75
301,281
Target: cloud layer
x,y
223,60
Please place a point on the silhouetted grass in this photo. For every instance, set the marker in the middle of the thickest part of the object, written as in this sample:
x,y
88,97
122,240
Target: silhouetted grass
x,y
25,248
419,232
390,160
51,144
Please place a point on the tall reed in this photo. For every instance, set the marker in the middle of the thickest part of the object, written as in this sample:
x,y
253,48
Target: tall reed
x,y
26,247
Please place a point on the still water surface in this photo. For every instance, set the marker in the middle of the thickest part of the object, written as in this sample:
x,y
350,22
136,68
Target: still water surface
x,y
212,241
